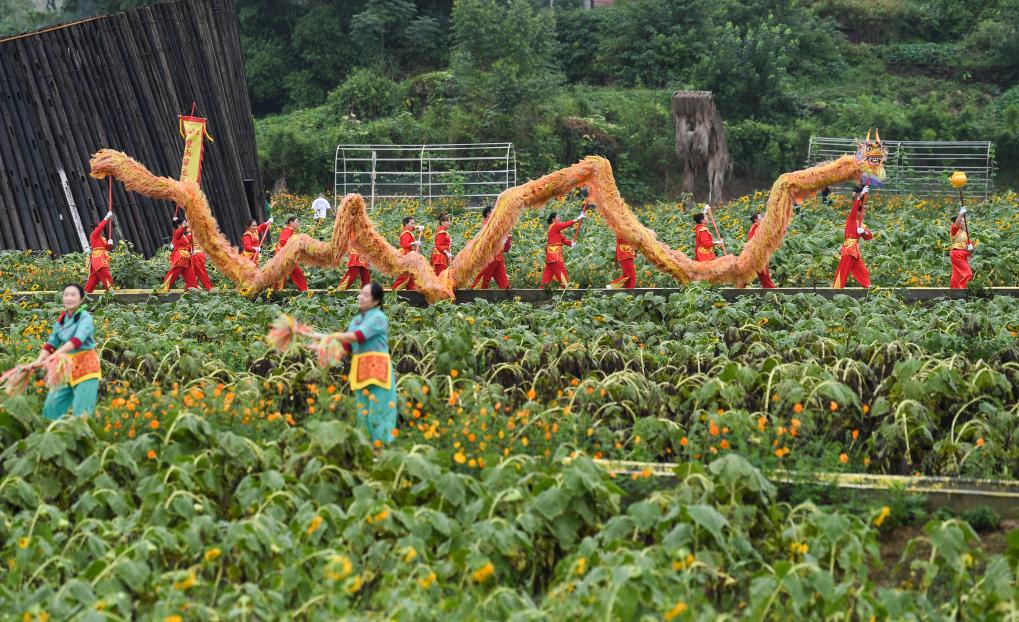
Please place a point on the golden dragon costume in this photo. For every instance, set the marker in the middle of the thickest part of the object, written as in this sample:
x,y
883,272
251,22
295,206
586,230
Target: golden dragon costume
x,y
353,230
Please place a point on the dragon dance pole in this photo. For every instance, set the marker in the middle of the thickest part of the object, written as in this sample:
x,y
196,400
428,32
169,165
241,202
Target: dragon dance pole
x,y
958,180
718,233
109,206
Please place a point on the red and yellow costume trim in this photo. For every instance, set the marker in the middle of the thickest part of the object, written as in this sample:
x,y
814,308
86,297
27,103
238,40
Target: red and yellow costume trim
x,y
440,259
962,274
370,368
851,263
625,254
251,240
357,267
555,266
84,366
99,260
180,260
705,244
405,280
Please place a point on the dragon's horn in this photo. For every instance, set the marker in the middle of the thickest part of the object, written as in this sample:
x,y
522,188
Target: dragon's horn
x,y
877,135
868,136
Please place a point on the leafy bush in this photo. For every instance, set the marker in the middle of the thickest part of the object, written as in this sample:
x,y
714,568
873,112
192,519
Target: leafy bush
x,y
366,94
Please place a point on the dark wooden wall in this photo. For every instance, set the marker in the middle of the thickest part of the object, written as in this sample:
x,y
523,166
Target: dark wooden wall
x,y
119,82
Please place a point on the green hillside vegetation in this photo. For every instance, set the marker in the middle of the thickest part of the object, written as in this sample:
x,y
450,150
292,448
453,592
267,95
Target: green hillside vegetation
x,y
568,82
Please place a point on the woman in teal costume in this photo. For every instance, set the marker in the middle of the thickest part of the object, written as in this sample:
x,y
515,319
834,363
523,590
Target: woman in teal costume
x,y
73,334
371,372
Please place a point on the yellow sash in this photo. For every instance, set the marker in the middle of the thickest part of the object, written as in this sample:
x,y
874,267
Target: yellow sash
x,y
370,368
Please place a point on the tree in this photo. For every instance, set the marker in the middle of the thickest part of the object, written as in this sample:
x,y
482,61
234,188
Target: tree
x,y
504,54
396,28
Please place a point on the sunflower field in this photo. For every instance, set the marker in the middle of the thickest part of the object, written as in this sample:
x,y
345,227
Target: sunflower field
x,y
910,247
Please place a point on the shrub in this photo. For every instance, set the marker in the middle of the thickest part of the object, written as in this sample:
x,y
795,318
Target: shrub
x,y
366,95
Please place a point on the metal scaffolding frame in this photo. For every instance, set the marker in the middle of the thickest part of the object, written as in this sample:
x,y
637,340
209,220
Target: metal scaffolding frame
x,y
473,172
920,166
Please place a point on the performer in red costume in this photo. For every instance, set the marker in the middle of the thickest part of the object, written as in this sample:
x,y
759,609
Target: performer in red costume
x,y
180,259
357,267
851,263
99,258
252,240
625,254
961,251
441,254
495,269
763,276
297,275
201,273
704,244
555,266
407,244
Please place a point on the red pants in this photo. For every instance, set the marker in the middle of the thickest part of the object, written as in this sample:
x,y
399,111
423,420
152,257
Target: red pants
x,y
353,272
961,272
765,278
439,268
404,281
201,274
629,278
853,266
494,270
555,271
297,277
187,272
484,276
95,277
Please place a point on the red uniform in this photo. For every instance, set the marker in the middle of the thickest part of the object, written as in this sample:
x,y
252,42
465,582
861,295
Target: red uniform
x,y
405,280
440,256
99,260
625,254
851,263
357,266
961,272
297,275
555,266
252,240
180,261
763,276
496,269
201,273
704,244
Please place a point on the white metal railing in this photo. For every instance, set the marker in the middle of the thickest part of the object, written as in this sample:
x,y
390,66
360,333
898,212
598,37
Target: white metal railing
x,y
475,173
920,166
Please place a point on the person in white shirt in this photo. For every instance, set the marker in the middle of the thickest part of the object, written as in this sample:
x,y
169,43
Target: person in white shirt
x,y
321,206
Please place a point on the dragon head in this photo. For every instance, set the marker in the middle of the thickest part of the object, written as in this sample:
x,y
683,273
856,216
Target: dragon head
x,y
871,154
